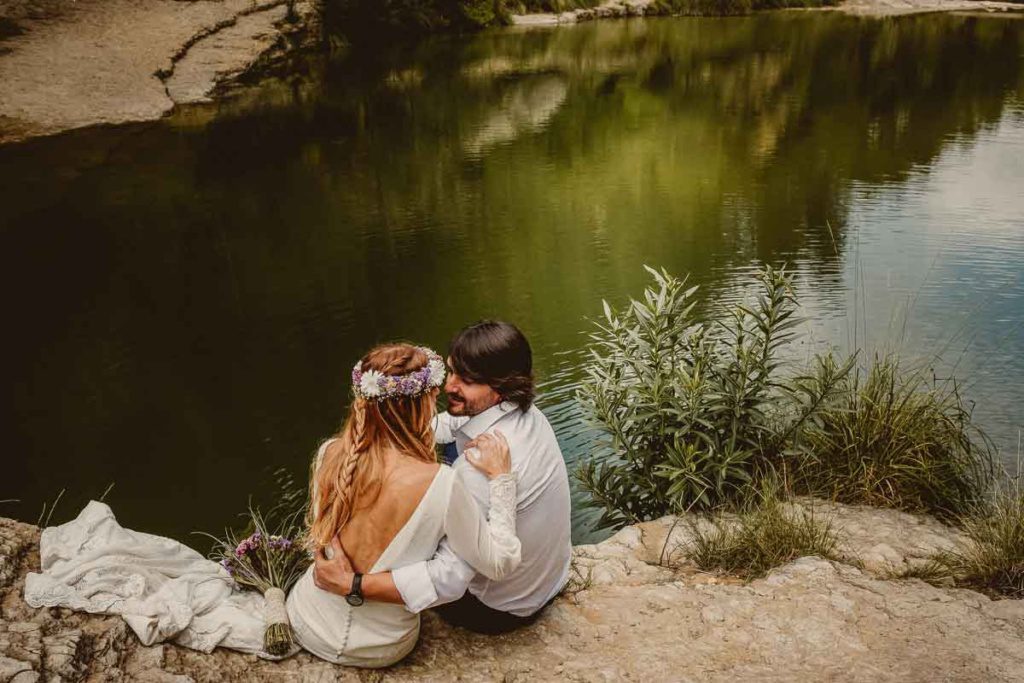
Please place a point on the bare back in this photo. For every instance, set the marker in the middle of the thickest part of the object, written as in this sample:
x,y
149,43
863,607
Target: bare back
x,y
371,528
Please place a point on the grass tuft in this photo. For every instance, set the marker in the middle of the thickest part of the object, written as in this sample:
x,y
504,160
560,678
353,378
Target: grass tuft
x,y
766,535
993,559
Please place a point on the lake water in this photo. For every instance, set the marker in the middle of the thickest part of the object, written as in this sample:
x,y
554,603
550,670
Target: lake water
x,y
183,300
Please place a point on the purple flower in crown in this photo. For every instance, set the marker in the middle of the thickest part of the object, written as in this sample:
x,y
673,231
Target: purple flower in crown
x,y
409,386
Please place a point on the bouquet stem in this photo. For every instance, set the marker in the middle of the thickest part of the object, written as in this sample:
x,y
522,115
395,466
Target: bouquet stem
x,y
277,639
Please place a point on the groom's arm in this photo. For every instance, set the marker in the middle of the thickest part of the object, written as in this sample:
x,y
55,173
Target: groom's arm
x,y
436,581
442,579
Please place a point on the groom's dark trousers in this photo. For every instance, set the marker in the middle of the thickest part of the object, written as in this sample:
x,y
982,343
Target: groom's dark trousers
x,y
471,614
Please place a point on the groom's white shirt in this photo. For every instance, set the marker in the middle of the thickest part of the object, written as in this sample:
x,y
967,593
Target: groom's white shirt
x,y
542,518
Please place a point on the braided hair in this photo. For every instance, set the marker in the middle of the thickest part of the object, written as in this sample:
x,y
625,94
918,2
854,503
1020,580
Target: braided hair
x,y
348,476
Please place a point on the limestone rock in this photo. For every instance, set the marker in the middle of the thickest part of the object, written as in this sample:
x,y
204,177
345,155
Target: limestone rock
x,y
89,62
637,610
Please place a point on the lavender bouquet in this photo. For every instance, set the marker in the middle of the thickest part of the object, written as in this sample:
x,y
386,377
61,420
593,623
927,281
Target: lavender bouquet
x,y
269,558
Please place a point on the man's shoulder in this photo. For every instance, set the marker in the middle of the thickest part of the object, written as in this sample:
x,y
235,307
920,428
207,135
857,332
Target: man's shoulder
x,y
530,424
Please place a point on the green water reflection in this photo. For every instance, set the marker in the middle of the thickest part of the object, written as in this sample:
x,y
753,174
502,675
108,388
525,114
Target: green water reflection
x,y
184,299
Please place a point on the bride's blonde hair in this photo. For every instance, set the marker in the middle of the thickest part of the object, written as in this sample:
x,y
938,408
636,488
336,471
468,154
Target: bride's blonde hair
x,y
349,478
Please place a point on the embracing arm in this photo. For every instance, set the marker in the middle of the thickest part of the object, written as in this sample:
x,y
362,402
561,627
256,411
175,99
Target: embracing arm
x,y
473,544
429,583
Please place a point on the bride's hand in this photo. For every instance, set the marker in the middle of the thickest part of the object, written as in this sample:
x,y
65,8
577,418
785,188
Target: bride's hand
x,y
489,453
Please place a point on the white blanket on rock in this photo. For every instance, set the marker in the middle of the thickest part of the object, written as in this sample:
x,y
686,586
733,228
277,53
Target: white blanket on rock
x,y
163,589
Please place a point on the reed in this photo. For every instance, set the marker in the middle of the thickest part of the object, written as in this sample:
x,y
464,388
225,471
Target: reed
x,y
895,438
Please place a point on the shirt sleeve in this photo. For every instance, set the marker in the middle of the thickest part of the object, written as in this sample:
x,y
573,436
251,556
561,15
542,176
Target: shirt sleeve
x,y
488,543
445,426
443,578
473,544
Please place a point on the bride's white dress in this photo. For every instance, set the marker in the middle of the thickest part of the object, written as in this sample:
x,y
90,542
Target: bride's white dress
x,y
377,634
167,591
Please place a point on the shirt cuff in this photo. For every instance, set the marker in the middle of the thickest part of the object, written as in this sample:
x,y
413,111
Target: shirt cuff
x,y
414,585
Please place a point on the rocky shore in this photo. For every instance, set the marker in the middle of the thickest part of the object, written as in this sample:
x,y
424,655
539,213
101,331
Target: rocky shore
x,y
636,609
65,65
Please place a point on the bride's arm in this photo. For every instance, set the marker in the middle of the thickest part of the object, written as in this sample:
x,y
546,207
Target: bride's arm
x,y
445,426
487,542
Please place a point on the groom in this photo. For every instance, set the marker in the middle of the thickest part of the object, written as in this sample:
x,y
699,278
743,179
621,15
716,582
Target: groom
x,y
489,387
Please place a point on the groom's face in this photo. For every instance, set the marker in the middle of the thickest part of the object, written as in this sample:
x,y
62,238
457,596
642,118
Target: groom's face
x,y
468,398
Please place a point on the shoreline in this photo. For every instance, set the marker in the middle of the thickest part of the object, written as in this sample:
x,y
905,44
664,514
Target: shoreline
x,y
97,62
636,608
122,61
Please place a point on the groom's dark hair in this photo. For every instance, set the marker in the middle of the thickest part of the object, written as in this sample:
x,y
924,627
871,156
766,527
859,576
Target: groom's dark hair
x,y
495,353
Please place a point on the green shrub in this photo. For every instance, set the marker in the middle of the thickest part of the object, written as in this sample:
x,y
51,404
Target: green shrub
x,y
691,407
525,6
411,16
765,535
711,8
890,437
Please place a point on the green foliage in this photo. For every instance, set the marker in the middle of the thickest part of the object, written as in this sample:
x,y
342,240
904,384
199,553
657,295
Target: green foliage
x,y
525,6
765,534
413,16
719,8
993,558
893,438
691,406
711,8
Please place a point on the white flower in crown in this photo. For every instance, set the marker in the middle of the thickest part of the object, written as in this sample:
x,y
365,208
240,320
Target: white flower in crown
x,y
368,384
436,367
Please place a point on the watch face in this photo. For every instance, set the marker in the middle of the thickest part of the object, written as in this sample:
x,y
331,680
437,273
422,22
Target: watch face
x,y
354,600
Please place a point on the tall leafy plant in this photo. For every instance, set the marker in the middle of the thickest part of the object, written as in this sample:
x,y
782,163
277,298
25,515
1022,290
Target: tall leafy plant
x,y
692,406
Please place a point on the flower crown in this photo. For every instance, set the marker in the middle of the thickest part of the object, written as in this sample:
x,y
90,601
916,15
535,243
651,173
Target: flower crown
x,y
373,385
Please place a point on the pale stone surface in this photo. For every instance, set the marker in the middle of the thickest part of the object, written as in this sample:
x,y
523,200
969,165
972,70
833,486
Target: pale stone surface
x,y
610,9
878,8
105,61
887,8
636,610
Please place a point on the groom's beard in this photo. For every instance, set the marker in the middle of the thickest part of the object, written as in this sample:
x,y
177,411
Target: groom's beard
x,y
458,405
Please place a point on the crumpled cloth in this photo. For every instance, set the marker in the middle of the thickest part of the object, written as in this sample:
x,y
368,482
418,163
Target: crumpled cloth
x,y
163,589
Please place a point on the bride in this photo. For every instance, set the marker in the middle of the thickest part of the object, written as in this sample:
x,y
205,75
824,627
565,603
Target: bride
x,y
377,488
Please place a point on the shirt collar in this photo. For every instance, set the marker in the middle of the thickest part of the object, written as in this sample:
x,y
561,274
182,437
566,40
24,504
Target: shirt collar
x,y
481,422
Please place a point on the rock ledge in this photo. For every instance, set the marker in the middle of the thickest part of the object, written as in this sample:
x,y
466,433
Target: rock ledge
x,y
636,609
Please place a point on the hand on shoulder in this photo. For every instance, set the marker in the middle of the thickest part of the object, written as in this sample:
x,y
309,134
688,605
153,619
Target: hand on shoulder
x,y
490,454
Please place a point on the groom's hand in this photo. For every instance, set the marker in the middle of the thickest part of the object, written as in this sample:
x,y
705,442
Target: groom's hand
x,y
333,571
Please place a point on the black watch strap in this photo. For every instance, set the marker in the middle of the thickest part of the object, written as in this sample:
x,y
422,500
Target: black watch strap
x,y
355,596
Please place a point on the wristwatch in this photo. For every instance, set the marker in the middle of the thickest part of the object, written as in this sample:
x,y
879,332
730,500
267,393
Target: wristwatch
x,y
355,596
